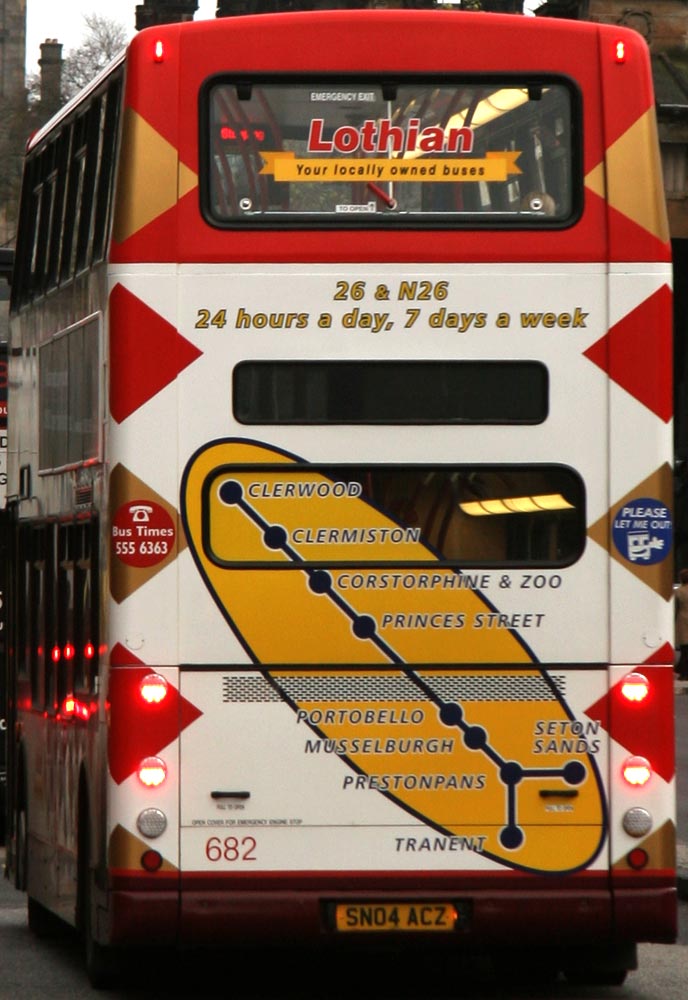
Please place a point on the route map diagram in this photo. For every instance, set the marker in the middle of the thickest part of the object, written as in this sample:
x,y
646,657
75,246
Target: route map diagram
x,y
277,540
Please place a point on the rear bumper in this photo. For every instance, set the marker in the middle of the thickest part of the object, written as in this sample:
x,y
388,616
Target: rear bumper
x,y
209,917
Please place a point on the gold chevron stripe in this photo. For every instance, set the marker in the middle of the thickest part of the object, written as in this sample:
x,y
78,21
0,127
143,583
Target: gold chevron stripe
x,y
151,177
125,851
660,846
633,170
658,576
124,487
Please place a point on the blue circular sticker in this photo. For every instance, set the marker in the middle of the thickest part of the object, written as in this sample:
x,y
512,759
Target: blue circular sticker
x,y
642,531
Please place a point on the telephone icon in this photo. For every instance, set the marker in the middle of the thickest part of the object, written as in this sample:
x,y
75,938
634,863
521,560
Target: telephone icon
x,y
140,512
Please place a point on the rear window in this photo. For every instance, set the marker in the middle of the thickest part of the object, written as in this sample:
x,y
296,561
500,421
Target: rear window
x,y
390,392
463,515
436,151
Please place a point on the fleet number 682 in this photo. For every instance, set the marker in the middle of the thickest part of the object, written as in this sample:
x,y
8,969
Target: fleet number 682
x,y
230,849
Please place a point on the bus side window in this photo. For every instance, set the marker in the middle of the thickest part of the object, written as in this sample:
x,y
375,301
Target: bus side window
x,y
85,610
36,632
63,660
106,169
51,617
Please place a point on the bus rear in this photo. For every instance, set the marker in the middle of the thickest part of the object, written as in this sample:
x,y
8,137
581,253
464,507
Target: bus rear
x,y
389,516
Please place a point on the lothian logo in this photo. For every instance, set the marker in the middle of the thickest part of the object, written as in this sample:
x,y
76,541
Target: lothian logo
x,y
381,137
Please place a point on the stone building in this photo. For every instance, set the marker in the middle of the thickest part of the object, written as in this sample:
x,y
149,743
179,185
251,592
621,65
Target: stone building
x,y
12,44
664,26
50,65
164,12
12,52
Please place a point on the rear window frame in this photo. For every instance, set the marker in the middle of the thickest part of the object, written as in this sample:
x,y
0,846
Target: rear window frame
x,y
384,223
500,366
436,559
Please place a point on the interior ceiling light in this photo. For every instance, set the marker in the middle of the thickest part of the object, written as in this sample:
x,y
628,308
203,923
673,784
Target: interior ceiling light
x,y
499,103
516,505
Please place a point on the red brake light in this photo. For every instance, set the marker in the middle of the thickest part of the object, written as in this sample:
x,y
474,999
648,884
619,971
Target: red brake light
x,y
637,771
158,50
56,654
72,708
619,51
68,651
153,689
635,687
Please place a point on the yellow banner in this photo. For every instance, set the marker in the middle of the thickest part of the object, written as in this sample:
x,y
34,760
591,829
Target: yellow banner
x,y
495,166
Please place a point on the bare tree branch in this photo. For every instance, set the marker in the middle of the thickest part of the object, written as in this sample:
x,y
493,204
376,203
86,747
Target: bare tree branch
x,y
104,39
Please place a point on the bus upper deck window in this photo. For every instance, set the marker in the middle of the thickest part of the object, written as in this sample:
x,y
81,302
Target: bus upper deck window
x,y
427,152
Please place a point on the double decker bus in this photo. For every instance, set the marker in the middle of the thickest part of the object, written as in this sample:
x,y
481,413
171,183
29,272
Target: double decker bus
x,y
341,495
5,270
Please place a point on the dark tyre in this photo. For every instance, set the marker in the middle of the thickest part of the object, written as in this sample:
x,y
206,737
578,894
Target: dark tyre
x,y
596,977
41,921
22,851
604,967
100,960
537,970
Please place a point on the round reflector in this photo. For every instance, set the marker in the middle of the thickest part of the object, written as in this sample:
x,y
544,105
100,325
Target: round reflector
x,y
637,822
151,822
151,861
637,858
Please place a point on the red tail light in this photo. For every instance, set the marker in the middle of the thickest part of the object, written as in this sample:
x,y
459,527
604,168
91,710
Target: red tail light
x,y
153,689
637,771
152,772
635,687
72,708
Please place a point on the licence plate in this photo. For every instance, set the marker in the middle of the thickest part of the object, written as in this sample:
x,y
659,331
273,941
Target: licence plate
x,y
436,917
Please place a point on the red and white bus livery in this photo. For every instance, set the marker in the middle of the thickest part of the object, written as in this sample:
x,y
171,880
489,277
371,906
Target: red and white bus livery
x,y
341,492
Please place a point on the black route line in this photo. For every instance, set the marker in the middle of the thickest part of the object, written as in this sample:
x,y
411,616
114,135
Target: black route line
x,y
364,627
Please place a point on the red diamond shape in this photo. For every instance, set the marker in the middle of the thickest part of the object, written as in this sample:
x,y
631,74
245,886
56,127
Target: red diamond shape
x,y
139,730
146,353
636,353
645,729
